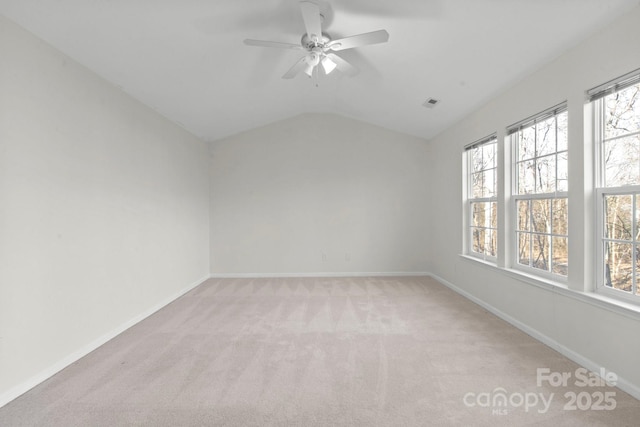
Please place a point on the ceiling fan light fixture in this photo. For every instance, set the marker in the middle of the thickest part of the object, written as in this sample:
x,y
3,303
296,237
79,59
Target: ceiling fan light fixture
x,y
328,65
314,56
309,69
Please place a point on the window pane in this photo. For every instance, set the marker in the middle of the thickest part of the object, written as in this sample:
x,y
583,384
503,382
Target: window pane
x,y
483,221
621,161
546,174
491,244
562,131
637,218
489,155
478,240
622,112
524,250
526,177
494,215
618,266
560,256
560,216
526,143
541,215
476,159
563,172
546,137
479,215
477,184
618,217
523,215
540,251
489,189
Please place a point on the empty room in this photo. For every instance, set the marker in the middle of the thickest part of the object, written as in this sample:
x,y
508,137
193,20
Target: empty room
x,y
319,213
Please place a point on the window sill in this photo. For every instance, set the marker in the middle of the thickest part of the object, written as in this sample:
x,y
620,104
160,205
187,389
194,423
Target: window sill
x,y
615,305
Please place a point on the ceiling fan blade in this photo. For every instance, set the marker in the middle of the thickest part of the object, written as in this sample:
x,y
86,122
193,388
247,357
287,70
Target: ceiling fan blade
x,y
299,66
263,43
311,16
373,37
342,65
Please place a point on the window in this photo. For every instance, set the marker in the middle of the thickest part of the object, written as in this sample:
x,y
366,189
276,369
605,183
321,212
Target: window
x,y
482,197
536,200
616,107
540,184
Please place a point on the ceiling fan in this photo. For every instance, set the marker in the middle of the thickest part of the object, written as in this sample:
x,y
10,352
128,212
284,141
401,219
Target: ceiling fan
x,y
319,46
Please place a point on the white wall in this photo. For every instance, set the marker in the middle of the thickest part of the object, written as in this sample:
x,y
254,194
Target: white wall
x,y
285,194
103,210
599,335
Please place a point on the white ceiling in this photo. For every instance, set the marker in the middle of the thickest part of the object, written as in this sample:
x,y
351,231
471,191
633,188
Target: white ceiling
x,y
186,58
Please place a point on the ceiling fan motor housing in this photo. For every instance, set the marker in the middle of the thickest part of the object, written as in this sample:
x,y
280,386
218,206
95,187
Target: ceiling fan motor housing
x,y
309,44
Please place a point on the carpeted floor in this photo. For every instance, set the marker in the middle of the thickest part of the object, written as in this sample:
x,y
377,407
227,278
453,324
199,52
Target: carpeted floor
x,y
320,352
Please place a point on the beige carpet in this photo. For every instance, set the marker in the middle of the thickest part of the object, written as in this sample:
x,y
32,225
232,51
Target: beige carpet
x,y
319,352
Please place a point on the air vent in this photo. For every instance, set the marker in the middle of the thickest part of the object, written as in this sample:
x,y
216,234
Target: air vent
x,y
430,103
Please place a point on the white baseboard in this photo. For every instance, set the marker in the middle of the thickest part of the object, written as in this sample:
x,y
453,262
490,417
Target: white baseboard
x,y
622,384
20,389
343,274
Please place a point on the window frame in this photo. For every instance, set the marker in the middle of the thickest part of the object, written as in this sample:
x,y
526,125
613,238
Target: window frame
x,y
470,200
596,97
600,285
513,138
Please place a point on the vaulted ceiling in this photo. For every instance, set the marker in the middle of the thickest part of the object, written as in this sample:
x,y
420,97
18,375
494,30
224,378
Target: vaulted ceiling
x,y
186,58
